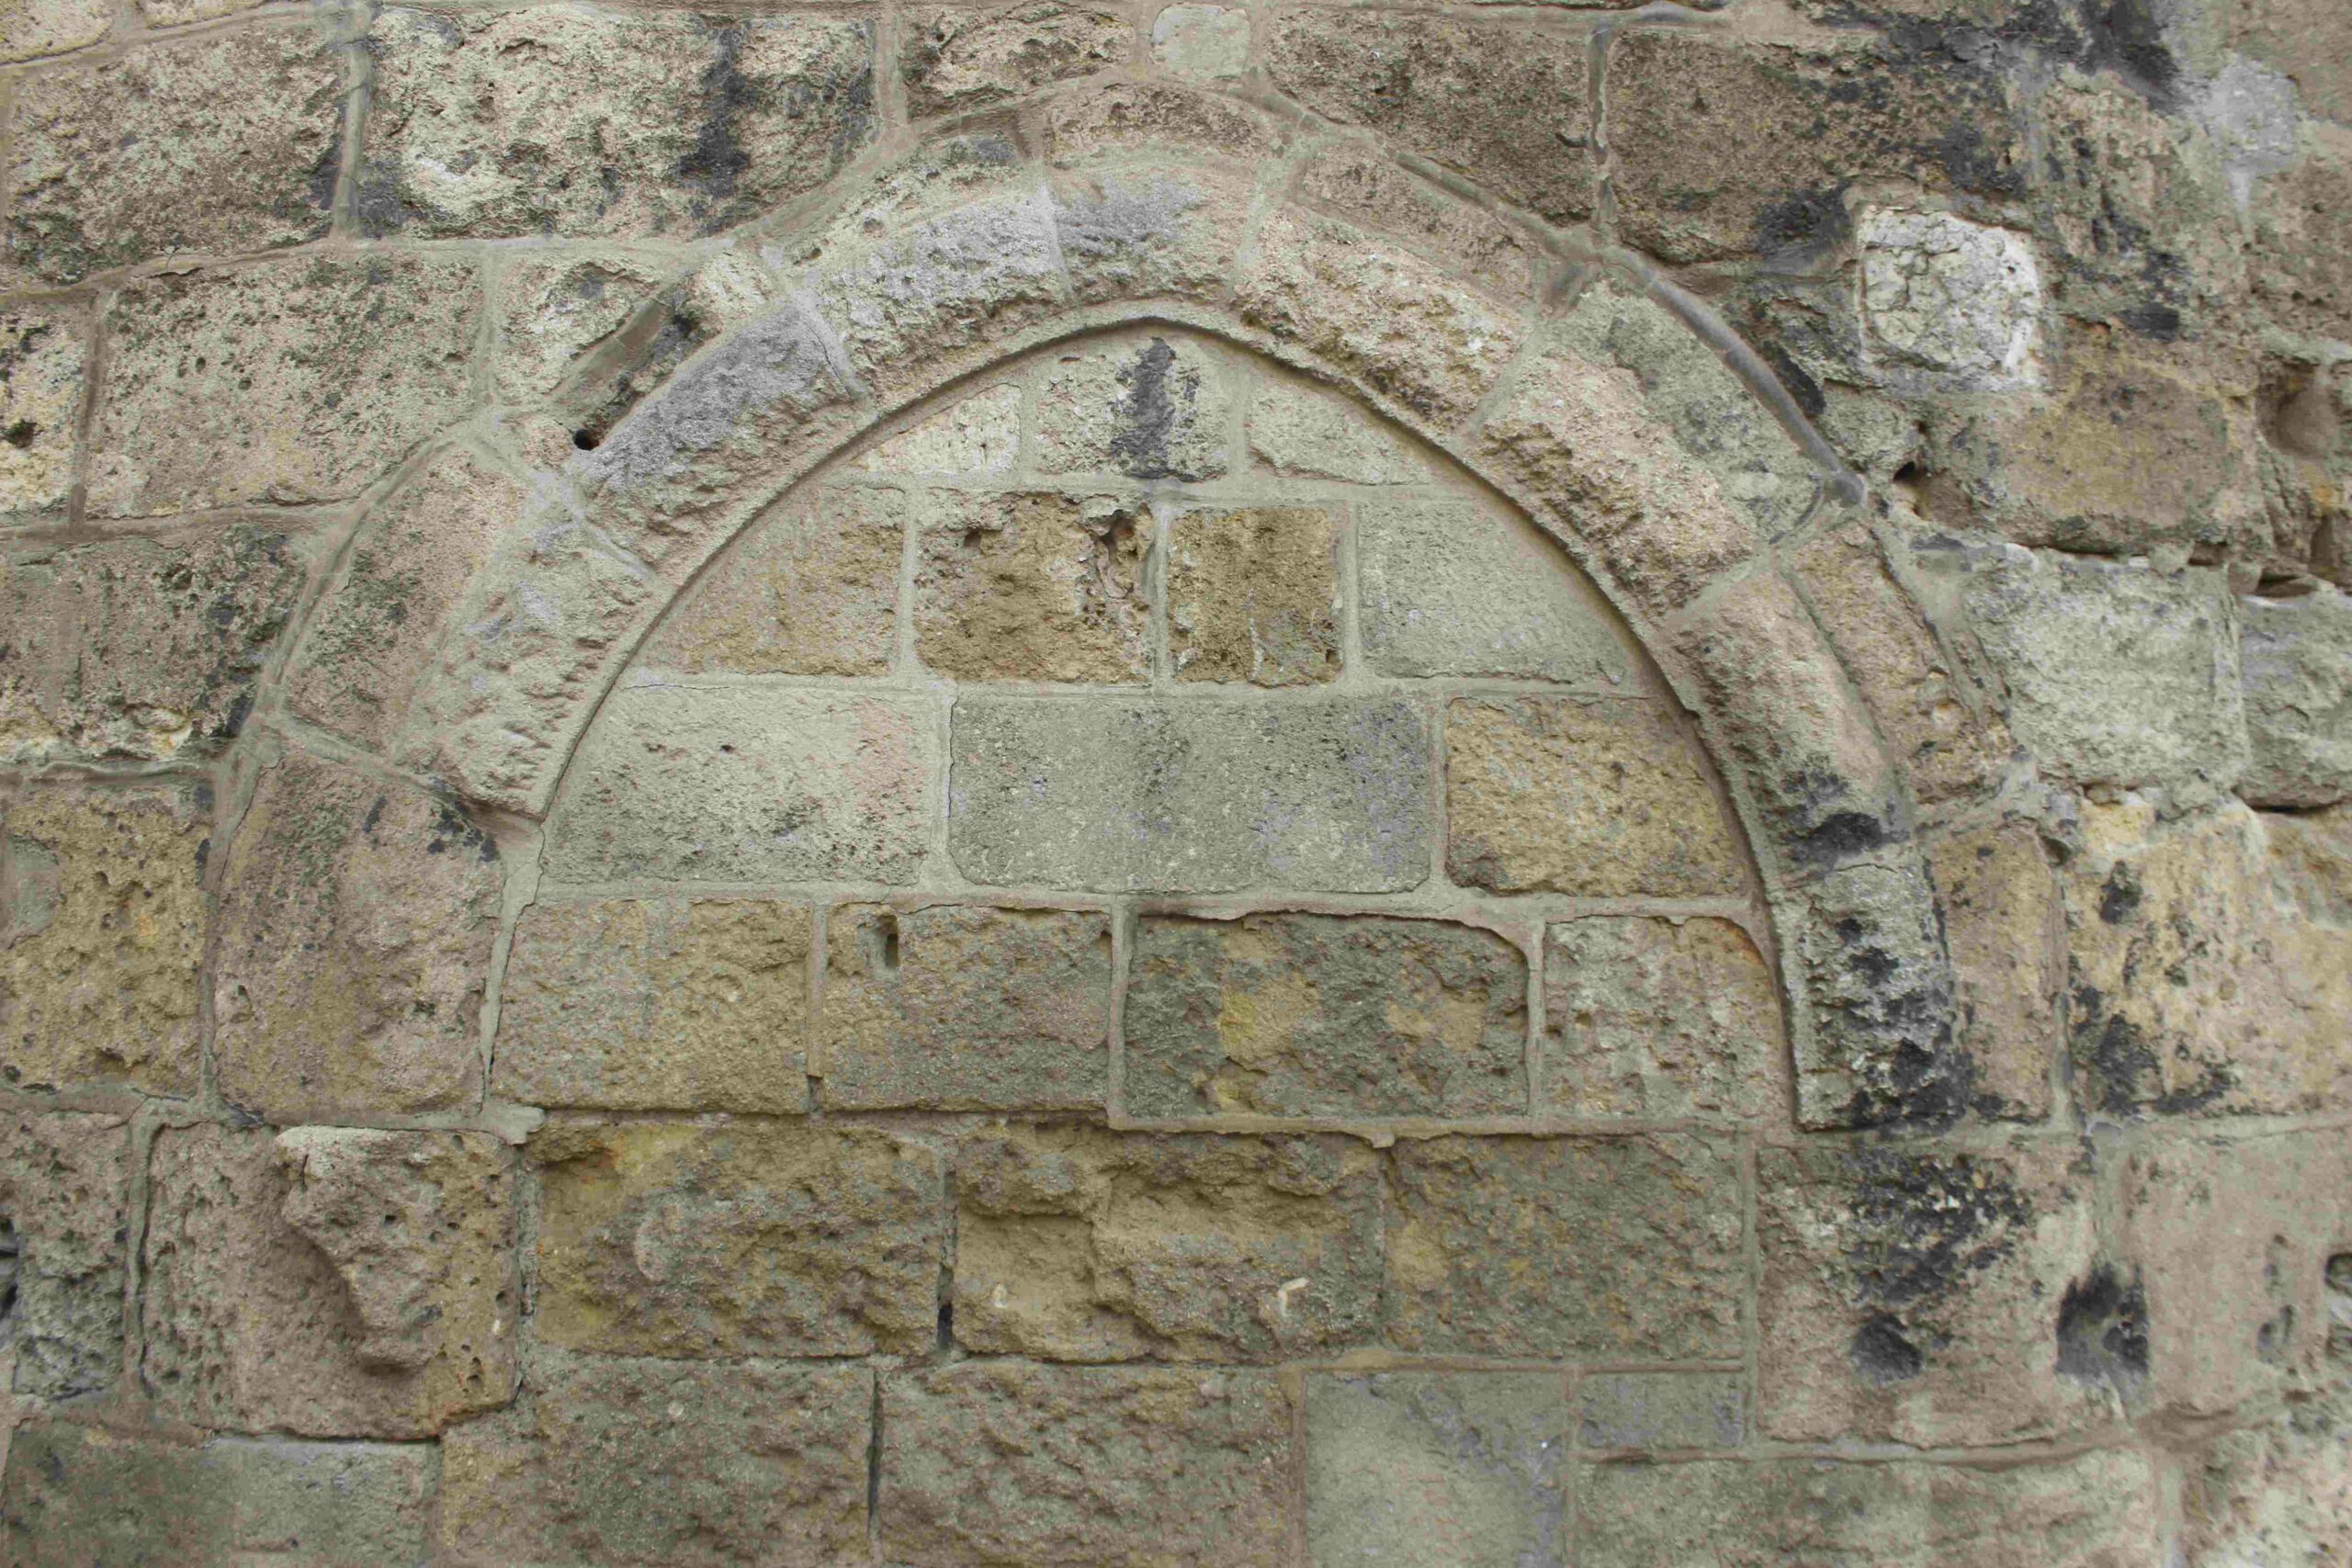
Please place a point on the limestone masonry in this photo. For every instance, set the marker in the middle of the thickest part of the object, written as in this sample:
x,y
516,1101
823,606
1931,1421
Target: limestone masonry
x,y
1129,785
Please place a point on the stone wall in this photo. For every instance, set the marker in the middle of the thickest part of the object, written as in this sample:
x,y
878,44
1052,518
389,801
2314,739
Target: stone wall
x,y
1150,784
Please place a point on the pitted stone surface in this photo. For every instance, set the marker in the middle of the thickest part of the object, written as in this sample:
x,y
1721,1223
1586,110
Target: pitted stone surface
x,y
1655,1018
1254,595
961,59
43,356
64,1198
1036,586
1950,296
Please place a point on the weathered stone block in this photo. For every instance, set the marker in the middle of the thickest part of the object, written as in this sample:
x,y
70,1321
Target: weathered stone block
x,y
1297,429
905,307
64,1203
1724,146
476,129
1652,1411
1081,1246
1878,976
102,929
951,1007
43,353
296,382
139,649
1505,106
550,313
1124,796
1456,588
2295,658
961,59
29,31
1429,1469
1149,409
167,150
1659,1017
1142,227
80,1496
2004,927
748,785
377,628
2097,1511
1950,298
679,1004
1202,43
1387,317
678,1240
977,434
1254,595
355,931
1115,1467
1597,798
1033,586
1358,180
813,589
1617,1248
331,1282
2303,274
664,1462
1322,1015
1937,1300
2280,1492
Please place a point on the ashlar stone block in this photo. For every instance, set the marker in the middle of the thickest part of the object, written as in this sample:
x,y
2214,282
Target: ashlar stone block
x,y
1074,1244
2295,658
64,1203
2003,924
813,589
1655,1411
951,1006
42,355
1149,409
1033,586
1254,595
681,1240
1322,1015
1202,43
679,1004
1651,1017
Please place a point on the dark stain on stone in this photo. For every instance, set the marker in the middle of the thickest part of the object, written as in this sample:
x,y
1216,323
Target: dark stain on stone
x,y
451,830
1839,836
2119,1069
1160,398
718,158
2152,320
2103,1331
1803,224
1882,1354
2118,900
21,433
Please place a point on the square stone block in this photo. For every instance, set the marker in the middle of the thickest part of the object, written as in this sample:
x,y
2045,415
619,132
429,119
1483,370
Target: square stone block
x,y
1652,1017
1254,595
1033,586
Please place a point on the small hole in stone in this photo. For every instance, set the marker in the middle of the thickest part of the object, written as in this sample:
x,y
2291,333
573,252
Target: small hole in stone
x,y
888,926
585,439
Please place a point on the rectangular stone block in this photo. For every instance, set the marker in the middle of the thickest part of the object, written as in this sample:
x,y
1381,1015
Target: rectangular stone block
x,y
1599,799
1149,409
1661,1410
962,58
102,929
2003,923
664,1239
1254,595
1197,796
1455,587
43,353
2296,664
666,1464
65,1208
76,1496
1081,1246
947,1007
813,589
2097,1511
1033,586
1618,1248
1322,1015
649,1005
1429,1469
1660,1018
1114,1467
330,1281
748,785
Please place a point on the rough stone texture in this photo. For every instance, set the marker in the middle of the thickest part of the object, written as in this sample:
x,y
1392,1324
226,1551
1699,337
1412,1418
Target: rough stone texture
x,y
354,929
1149,409
1936,1300
1033,586
639,1004
1724,146
42,355
477,127
1254,595
951,1007
551,312
376,631
1949,297
1148,226
139,649
936,288
1661,1410
1351,176
1427,1469
813,589
2003,925
1202,43
1081,1246
721,784
676,1240
1602,799
330,1281
2278,1492
78,1495
1871,956
1319,1015
1658,1018
102,929
1117,1467
297,382
663,1463
1455,588
92,149
963,58
2190,990
1130,796
1608,1248
65,1205
2295,658
979,435
1298,431
1505,106
2097,1511
51,26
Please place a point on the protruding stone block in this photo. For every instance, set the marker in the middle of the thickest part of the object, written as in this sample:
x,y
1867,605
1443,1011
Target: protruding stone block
x,y
1948,297
1033,586
1878,978
1254,595
65,1203
813,589
931,290
1650,1017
